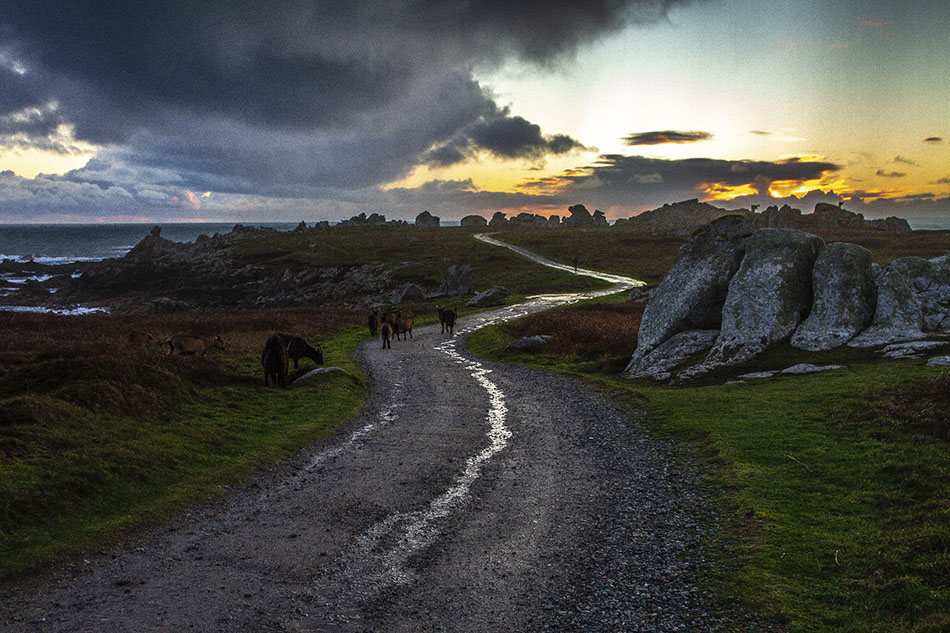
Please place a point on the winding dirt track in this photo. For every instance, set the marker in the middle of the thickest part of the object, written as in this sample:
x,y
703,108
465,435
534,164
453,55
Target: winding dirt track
x,y
466,496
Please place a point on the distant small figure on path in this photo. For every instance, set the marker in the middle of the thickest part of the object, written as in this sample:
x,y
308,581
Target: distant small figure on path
x,y
575,265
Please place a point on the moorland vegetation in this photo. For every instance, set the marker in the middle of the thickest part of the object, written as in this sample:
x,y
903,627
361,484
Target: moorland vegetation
x,y
833,489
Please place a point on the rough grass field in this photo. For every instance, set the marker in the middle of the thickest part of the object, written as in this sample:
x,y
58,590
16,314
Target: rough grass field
x,y
834,489
98,436
413,254
648,257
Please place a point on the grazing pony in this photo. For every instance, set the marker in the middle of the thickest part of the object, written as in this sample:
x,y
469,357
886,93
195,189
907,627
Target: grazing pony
x,y
373,320
447,319
274,360
184,345
142,339
298,348
404,326
386,333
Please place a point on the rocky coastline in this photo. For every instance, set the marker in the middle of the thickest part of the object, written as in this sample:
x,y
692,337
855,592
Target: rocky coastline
x,y
159,275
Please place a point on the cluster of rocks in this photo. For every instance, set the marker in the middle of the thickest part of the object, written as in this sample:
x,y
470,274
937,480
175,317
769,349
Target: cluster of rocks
x,y
162,276
373,219
734,291
682,218
579,217
166,276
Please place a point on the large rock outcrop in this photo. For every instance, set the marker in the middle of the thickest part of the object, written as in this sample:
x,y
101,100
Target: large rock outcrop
x,y
758,288
768,297
899,313
692,294
680,218
844,298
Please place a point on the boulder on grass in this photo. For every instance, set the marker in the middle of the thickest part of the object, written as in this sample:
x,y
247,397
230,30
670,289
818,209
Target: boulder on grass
x,y
768,297
692,294
492,297
844,298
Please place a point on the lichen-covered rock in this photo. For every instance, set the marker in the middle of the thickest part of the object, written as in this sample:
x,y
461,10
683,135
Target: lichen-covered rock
x,y
768,296
808,368
897,315
492,297
457,281
692,294
409,292
930,280
659,363
529,343
844,298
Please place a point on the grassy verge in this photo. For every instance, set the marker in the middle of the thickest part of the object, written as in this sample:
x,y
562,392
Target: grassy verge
x,y
834,488
96,440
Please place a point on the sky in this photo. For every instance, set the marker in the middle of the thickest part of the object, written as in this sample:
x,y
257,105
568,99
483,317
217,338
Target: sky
x,y
289,110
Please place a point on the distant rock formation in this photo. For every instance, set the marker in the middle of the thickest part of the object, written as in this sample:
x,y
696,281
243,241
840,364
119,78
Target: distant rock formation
x,y
682,218
473,220
580,216
426,219
733,292
374,219
499,219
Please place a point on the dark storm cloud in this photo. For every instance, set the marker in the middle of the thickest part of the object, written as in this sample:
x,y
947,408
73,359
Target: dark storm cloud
x,y
286,63
667,137
505,137
277,96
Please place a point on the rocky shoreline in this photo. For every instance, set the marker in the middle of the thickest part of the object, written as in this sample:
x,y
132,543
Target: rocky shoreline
x,y
161,276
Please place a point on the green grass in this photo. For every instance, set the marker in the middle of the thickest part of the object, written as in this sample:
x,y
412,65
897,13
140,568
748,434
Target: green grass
x,y
81,467
834,488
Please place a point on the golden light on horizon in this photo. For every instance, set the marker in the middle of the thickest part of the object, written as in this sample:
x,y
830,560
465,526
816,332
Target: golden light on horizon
x,y
721,191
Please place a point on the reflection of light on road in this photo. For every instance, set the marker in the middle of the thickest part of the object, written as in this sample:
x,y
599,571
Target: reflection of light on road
x,y
379,557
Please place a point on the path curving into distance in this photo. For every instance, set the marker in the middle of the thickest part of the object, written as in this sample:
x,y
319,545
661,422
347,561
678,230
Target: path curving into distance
x,y
465,496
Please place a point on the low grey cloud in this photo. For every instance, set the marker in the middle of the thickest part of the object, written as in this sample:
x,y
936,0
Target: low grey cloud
x,y
667,137
942,181
890,174
760,132
905,161
933,139
616,180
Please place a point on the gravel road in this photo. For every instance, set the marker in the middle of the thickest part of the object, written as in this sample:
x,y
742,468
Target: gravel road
x,y
466,496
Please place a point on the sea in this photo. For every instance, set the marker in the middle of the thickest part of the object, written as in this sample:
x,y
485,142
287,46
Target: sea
x,y
71,243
